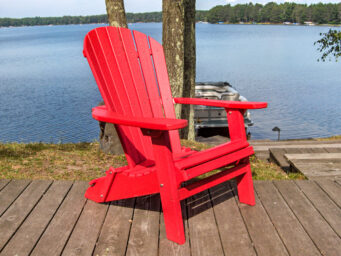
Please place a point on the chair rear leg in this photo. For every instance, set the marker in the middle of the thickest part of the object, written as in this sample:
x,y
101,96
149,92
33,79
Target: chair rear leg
x,y
245,187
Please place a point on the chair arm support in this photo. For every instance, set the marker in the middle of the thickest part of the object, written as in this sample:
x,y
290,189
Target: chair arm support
x,y
101,113
234,110
222,103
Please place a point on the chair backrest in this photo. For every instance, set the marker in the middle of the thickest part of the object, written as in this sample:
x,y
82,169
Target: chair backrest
x,y
131,74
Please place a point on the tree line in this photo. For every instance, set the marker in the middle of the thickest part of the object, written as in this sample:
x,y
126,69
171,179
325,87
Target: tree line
x,y
66,20
276,13
249,13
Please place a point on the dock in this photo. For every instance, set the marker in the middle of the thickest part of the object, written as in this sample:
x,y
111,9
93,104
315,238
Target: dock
x,y
43,217
315,159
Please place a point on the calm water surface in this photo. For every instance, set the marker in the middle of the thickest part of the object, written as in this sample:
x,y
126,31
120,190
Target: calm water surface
x,y
47,89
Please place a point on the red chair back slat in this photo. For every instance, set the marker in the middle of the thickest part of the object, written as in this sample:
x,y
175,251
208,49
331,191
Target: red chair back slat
x,y
124,74
129,83
147,68
164,87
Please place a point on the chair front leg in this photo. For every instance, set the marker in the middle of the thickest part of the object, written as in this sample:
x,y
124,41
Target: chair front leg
x,y
168,187
237,132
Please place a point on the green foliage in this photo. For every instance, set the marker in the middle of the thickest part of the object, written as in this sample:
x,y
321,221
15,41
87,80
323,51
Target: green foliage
x,y
65,20
276,13
144,17
201,15
330,44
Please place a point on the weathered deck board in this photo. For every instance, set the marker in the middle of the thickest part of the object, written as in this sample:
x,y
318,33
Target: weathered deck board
x,y
59,230
204,235
262,155
313,160
283,143
3,183
284,156
314,168
290,218
295,150
263,234
302,146
327,208
332,189
310,156
16,214
277,156
144,233
11,192
318,229
262,147
292,233
318,150
29,232
84,236
228,218
333,150
115,232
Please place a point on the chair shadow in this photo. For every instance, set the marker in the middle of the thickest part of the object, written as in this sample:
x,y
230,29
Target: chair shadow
x,y
191,206
209,198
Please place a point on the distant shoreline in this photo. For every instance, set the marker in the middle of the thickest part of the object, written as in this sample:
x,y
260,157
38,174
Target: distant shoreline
x,y
204,23
267,14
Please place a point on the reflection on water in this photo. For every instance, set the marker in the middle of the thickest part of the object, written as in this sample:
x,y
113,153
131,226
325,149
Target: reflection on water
x,y
47,89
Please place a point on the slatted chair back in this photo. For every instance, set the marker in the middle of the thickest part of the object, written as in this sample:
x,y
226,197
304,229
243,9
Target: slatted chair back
x,y
131,73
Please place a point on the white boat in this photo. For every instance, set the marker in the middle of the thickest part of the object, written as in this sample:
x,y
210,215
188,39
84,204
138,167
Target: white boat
x,y
213,117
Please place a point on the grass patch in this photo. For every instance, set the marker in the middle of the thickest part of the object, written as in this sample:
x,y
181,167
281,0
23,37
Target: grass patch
x,y
84,161
336,137
262,170
195,145
79,161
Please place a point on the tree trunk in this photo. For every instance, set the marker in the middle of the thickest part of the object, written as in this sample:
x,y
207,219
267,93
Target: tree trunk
x,y
116,13
108,138
173,45
178,38
189,68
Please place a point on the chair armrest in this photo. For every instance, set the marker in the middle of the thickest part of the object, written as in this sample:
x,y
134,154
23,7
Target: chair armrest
x,y
101,113
222,103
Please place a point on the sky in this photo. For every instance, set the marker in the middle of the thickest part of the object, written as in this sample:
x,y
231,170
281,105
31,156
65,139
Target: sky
x,y
47,8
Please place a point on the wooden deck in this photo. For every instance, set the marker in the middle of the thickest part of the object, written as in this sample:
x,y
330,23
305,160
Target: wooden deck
x,y
53,218
263,148
315,159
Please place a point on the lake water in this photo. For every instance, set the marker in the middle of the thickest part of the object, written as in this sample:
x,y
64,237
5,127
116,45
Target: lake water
x,y
47,89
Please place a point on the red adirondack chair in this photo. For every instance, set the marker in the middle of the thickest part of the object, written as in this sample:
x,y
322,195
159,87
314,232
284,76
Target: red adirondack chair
x,y
131,74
